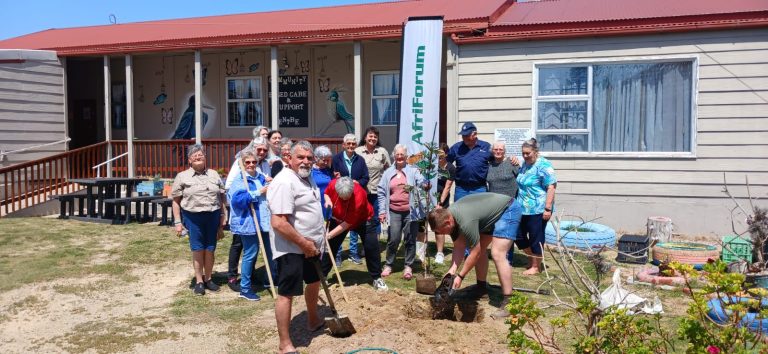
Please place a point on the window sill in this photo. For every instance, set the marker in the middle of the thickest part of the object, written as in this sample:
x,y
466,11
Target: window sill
x,y
622,155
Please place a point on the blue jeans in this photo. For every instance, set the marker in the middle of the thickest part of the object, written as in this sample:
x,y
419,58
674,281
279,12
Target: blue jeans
x,y
250,253
462,192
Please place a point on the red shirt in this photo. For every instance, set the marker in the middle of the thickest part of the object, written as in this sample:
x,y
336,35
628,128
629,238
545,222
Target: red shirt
x,y
354,211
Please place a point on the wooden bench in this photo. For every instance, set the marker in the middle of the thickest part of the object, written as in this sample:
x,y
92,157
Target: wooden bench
x,y
67,203
122,214
165,205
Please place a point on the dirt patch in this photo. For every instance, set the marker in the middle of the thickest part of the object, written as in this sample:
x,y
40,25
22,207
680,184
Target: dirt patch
x,y
400,321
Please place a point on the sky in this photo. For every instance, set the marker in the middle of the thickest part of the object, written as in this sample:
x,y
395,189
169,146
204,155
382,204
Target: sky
x,y
18,18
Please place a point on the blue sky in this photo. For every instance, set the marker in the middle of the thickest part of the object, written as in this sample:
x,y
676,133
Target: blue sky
x,y
28,16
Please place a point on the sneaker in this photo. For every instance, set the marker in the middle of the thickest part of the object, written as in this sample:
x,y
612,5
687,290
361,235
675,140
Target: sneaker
x,y
339,261
501,313
233,284
210,285
408,273
199,289
250,296
356,260
379,284
439,258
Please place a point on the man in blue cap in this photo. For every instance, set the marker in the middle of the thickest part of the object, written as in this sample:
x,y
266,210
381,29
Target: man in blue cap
x,y
471,157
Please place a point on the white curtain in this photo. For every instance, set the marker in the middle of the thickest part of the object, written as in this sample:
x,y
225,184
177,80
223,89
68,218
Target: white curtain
x,y
642,107
383,85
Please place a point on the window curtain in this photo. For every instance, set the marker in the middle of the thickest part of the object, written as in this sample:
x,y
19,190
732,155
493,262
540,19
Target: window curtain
x,y
642,107
383,85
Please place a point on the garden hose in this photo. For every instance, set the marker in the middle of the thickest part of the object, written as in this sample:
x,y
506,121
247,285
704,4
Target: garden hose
x,y
371,349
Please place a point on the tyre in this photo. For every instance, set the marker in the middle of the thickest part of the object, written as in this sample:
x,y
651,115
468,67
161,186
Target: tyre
x,y
720,315
685,252
576,234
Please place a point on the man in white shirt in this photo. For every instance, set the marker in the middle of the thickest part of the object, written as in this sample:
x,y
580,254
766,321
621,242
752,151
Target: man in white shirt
x,y
297,239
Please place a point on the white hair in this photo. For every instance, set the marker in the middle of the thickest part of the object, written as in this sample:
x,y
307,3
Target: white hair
x,y
400,147
192,149
350,137
303,144
322,151
344,187
257,130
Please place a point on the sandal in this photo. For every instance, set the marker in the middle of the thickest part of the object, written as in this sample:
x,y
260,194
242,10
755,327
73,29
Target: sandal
x,y
407,273
387,271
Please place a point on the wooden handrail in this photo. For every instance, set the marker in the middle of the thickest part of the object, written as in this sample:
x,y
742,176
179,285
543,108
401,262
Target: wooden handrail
x,y
33,182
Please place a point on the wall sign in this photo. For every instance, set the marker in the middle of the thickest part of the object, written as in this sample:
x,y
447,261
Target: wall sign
x,y
513,139
293,102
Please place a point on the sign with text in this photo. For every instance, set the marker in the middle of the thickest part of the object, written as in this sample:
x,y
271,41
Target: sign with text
x,y
513,139
293,101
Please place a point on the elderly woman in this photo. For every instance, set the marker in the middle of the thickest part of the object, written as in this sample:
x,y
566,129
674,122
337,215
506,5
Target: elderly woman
x,y
351,211
536,184
242,224
259,149
285,156
322,173
198,195
261,131
274,138
349,164
401,208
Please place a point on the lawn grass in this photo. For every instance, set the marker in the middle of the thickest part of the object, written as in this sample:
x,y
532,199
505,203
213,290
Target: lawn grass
x,y
39,250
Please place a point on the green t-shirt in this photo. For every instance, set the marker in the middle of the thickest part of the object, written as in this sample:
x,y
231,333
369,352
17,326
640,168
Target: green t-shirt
x,y
476,214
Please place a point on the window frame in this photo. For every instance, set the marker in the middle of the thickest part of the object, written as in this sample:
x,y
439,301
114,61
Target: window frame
x,y
397,97
227,100
590,63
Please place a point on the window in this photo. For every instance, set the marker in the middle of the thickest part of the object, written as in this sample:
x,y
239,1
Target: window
x,y
244,102
615,107
385,91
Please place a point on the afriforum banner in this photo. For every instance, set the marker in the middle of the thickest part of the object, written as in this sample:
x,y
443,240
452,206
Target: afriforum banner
x,y
420,82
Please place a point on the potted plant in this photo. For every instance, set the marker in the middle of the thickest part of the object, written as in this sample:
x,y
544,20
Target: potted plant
x,y
426,162
757,231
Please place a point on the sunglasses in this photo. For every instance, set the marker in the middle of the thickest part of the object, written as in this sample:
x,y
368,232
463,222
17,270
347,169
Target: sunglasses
x,y
249,162
261,150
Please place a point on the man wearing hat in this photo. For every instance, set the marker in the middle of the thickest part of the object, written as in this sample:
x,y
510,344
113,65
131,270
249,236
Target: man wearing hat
x,y
471,157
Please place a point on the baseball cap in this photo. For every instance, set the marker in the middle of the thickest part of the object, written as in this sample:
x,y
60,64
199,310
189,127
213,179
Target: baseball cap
x,y
467,128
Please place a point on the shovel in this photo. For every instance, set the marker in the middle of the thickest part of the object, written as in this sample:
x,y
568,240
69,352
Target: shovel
x,y
340,326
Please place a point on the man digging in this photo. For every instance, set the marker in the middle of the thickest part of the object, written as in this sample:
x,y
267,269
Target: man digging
x,y
297,222
476,221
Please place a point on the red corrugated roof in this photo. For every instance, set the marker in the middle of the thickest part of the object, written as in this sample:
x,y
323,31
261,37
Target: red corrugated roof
x,y
551,19
565,11
375,20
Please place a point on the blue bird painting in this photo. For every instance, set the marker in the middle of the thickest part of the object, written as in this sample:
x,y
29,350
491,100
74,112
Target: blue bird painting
x,y
337,111
160,99
186,127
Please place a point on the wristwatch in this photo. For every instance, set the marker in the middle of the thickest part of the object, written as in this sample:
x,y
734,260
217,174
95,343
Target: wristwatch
x,y
548,209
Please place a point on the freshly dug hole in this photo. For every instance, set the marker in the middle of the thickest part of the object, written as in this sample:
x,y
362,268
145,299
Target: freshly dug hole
x,y
460,311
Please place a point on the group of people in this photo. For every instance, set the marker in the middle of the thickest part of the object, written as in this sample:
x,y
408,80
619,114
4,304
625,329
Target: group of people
x,y
291,198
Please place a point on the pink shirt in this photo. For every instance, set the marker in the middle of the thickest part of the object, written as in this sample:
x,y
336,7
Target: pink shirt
x,y
398,197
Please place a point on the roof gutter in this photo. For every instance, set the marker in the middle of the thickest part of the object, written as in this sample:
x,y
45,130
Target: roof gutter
x,y
266,39
617,28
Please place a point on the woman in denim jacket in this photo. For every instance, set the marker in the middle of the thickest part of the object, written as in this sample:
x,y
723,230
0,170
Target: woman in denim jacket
x,y
400,208
242,223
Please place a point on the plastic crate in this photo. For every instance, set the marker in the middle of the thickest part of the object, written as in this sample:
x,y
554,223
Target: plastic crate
x,y
736,248
633,249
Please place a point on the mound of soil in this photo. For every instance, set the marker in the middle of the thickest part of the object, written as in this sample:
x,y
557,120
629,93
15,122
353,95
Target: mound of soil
x,y
402,321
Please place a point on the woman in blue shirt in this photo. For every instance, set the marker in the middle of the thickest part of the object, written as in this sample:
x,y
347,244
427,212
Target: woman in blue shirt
x,y
322,173
242,224
536,184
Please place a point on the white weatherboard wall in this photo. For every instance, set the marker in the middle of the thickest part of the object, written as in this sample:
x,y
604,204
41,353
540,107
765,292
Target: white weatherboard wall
x,y
495,83
31,104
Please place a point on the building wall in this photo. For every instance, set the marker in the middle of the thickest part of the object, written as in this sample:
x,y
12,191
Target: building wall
x,y
495,83
328,67
31,104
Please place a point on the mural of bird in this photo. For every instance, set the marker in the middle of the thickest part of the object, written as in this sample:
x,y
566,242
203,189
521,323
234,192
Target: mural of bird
x,y
337,111
186,127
